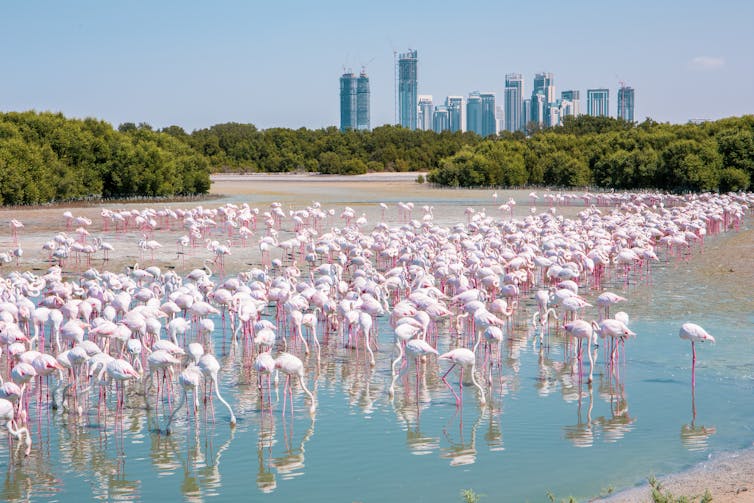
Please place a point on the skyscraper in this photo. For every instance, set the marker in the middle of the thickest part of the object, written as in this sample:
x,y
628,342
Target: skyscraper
x,y
573,97
525,114
538,109
347,101
489,123
441,119
407,89
544,83
514,95
626,103
455,113
598,102
362,102
425,112
474,113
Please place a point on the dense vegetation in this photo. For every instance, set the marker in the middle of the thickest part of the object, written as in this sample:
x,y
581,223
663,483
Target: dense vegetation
x,y
47,157
244,148
610,153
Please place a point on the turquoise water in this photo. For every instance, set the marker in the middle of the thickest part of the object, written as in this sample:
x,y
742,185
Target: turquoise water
x,y
541,431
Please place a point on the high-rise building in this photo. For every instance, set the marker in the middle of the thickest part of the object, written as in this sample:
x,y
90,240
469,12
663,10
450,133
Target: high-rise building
x,y
489,123
626,103
474,113
441,119
538,109
362,102
407,89
598,102
544,83
455,113
425,112
567,108
499,118
514,95
573,97
348,108
553,114
526,114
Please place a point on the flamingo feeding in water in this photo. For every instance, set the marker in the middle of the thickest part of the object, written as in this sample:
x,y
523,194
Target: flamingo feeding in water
x,y
466,359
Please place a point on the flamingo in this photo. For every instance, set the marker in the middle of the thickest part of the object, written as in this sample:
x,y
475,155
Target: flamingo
x,y
264,364
466,359
583,331
209,366
189,379
292,365
694,333
8,421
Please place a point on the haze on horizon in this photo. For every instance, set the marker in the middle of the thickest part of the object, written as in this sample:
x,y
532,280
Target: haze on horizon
x,y
277,64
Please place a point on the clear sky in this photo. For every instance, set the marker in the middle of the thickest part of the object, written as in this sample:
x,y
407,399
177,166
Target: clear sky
x,y
277,63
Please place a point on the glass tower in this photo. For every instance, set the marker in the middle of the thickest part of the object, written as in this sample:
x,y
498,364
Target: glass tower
x,y
538,109
441,119
474,113
407,89
544,83
425,112
598,102
526,114
514,95
348,101
574,98
626,103
489,122
454,105
362,102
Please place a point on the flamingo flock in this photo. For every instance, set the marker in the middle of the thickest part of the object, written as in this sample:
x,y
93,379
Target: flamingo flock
x,y
94,342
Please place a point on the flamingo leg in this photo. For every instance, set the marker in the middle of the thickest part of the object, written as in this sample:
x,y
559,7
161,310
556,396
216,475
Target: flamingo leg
x,y
458,400
693,365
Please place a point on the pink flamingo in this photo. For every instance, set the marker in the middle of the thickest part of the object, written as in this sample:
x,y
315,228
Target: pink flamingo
x,y
7,420
583,331
694,333
292,365
466,359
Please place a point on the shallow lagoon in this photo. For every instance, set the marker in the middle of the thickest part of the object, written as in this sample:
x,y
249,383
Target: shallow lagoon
x,y
541,432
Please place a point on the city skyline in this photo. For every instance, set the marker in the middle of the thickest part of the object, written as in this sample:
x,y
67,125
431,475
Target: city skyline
x,y
195,65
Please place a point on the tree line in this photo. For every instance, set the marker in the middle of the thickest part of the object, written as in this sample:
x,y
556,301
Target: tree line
x,y
237,147
611,153
48,157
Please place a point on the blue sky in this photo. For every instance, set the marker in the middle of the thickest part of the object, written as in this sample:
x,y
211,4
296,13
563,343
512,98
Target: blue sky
x,y
277,63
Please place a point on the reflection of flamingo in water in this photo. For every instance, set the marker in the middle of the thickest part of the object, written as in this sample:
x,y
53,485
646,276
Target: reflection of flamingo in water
x,y
693,437
462,453
581,434
293,458
694,333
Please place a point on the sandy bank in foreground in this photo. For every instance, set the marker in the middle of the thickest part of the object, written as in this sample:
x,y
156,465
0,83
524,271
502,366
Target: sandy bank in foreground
x,y
728,477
